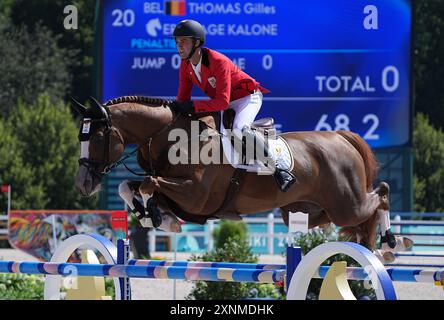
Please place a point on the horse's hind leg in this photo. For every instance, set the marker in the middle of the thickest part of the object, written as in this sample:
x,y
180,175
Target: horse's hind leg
x,y
377,205
365,231
389,242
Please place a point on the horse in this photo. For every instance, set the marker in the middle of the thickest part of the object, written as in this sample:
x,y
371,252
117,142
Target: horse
x,y
334,171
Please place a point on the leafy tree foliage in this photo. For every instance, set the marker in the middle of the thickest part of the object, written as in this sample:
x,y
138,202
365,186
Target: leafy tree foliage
x,y
31,63
13,171
41,155
229,229
429,60
428,166
79,42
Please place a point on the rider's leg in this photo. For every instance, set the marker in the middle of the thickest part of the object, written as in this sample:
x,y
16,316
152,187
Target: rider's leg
x,y
246,110
284,178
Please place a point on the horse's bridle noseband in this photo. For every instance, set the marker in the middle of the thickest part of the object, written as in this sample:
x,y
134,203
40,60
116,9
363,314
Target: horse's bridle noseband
x,y
93,165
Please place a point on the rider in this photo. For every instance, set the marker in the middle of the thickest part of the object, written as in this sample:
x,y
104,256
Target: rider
x,y
225,84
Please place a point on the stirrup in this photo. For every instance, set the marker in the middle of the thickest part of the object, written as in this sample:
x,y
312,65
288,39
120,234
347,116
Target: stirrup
x,y
284,179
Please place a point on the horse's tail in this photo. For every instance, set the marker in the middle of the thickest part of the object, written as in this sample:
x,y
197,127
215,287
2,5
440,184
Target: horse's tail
x,y
370,162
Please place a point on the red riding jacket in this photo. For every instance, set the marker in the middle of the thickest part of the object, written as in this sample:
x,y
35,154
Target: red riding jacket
x,y
222,81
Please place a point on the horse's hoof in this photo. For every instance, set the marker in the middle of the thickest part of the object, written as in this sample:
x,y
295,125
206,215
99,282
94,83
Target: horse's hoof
x,y
383,189
385,257
389,257
407,243
170,223
402,244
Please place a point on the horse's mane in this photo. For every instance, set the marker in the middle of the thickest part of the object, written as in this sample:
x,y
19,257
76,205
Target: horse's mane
x,y
138,99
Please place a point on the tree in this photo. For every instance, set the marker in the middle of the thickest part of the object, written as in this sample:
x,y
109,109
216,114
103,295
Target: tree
x,y
45,141
428,144
13,171
429,60
49,13
31,63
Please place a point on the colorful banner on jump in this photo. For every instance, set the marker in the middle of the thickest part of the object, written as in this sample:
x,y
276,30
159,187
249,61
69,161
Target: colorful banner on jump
x,y
37,232
330,65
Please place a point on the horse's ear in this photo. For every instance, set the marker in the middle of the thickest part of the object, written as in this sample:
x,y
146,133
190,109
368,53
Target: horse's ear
x,y
99,108
81,109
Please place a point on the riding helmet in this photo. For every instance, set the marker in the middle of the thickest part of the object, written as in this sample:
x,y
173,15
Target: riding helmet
x,y
190,28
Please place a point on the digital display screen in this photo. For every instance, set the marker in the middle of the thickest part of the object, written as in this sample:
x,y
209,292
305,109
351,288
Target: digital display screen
x,y
330,65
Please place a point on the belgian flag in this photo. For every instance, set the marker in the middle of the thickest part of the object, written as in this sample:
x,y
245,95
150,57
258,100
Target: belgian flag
x,y
175,7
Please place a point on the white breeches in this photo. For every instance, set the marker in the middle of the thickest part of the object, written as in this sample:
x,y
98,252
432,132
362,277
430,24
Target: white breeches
x,y
246,109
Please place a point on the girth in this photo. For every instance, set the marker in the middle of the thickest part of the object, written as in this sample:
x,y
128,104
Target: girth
x,y
226,210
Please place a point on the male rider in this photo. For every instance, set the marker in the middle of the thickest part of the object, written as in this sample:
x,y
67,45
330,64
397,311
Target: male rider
x,y
225,84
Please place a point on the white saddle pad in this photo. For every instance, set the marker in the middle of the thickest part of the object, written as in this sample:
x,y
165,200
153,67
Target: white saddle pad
x,y
278,147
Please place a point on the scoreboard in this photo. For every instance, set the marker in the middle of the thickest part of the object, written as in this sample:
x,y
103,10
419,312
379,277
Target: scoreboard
x,y
330,65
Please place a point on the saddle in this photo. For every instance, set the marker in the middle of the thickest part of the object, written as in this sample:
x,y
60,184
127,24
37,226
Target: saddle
x,y
226,210
263,126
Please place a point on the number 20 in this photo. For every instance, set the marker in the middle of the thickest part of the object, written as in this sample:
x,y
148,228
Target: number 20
x,y
124,18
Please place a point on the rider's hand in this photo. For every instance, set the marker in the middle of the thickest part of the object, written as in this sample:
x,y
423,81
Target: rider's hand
x,y
182,107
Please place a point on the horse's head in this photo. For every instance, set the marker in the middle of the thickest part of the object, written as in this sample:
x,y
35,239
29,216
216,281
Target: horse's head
x,y
101,146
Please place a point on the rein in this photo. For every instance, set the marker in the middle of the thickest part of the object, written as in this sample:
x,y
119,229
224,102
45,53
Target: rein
x,y
152,171
109,127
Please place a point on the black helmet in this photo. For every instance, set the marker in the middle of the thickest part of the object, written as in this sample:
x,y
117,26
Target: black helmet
x,y
190,28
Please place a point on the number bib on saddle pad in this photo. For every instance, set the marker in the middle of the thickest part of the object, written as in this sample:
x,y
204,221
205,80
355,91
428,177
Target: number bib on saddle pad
x,y
278,147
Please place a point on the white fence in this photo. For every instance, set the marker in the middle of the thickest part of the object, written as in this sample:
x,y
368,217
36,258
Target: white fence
x,y
270,220
270,235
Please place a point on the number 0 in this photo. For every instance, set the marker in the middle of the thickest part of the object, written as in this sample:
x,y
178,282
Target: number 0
x,y
267,62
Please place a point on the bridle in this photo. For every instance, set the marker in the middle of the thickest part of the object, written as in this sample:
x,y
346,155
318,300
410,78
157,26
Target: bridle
x,y
94,165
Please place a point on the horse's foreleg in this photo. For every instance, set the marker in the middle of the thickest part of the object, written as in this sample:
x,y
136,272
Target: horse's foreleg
x,y
190,196
389,242
127,190
154,217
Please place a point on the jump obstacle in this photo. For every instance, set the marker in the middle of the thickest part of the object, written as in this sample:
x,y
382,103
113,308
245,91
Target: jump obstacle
x,y
295,275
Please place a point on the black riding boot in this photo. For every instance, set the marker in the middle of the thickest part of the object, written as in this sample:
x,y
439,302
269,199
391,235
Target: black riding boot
x,y
283,178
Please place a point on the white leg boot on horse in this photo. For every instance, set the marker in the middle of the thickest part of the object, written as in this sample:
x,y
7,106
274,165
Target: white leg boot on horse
x,y
390,242
154,218
128,196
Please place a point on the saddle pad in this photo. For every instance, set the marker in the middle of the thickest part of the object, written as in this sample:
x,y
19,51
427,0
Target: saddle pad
x,y
279,148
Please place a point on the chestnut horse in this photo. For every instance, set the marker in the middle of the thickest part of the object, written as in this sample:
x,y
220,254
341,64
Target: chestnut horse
x,y
335,171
